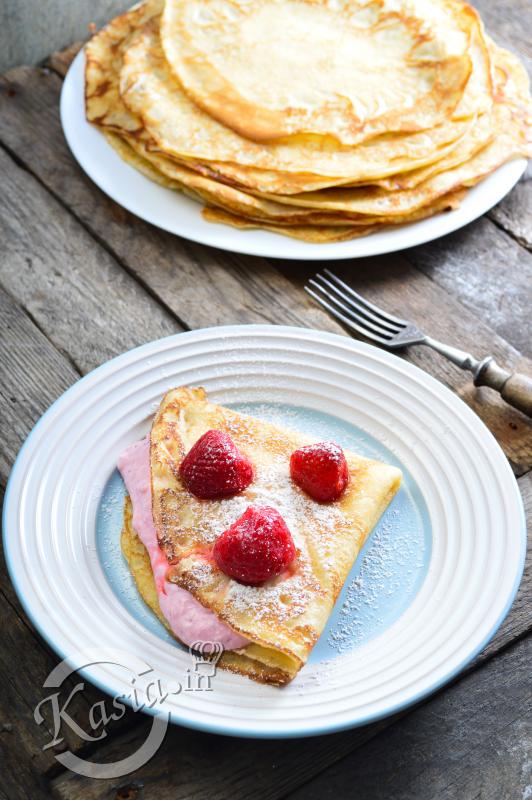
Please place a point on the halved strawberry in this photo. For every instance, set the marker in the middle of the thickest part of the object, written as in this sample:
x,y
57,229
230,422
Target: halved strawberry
x,y
257,547
215,468
320,470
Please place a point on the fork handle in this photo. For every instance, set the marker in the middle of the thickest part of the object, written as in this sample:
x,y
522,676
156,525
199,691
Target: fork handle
x,y
514,387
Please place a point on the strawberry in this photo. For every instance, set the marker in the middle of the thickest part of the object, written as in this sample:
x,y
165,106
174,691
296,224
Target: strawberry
x,y
214,467
320,470
255,548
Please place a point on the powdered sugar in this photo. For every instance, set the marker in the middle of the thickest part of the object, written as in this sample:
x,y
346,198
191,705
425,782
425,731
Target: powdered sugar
x,y
287,596
268,601
388,574
272,486
329,674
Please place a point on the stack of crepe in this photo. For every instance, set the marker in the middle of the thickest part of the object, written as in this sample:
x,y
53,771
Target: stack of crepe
x,y
320,119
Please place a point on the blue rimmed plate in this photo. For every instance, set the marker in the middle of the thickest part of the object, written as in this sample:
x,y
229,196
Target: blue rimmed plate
x,y
430,588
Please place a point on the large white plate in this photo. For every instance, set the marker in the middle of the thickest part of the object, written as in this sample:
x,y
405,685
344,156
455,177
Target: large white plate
x,y
432,586
178,214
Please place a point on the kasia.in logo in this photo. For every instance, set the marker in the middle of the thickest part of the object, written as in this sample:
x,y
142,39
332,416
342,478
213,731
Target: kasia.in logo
x,y
146,691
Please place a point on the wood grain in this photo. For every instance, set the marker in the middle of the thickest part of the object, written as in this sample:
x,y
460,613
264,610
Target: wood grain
x,y
284,766
30,29
519,619
472,742
203,286
66,281
243,768
510,23
19,734
32,375
70,285
488,272
514,213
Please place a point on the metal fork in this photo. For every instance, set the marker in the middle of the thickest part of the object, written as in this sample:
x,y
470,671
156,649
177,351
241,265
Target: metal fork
x,y
393,333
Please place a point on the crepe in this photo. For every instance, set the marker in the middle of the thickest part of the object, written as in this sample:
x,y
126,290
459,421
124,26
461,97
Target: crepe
x,y
328,148
183,130
106,108
284,617
167,122
322,234
325,66
253,209
103,61
306,233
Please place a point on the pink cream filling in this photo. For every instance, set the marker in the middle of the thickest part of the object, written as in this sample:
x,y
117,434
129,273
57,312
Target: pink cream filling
x,y
188,619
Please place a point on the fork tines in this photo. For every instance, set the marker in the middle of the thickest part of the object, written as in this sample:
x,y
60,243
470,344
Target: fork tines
x,y
352,309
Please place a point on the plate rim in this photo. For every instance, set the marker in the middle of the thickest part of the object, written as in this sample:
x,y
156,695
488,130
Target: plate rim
x,y
244,241
247,731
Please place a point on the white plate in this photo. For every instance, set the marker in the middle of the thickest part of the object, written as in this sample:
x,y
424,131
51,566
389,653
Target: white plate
x,y
178,214
432,586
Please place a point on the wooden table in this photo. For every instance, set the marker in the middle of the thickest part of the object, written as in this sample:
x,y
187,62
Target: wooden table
x,y
81,280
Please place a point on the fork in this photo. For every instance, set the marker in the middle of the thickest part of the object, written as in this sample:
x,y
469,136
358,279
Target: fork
x,y
373,323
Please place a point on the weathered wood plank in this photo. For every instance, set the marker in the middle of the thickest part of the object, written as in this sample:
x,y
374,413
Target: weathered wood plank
x,y
514,213
489,272
30,29
244,769
32,375
20,779
205,287
208,286
519,618
472,742
68,282
474,264
237,768
510,22
319,754
268,770
312,757
35,372
23,690
21,740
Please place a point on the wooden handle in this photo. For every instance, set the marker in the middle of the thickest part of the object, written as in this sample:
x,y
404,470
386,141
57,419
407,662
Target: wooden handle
x,y
518,392
514,387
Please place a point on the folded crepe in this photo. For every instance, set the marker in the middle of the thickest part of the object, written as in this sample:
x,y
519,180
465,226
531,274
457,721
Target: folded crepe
x,y
283,618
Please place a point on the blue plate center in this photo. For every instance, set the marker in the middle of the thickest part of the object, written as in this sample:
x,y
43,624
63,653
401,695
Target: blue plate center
x,y
385,578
